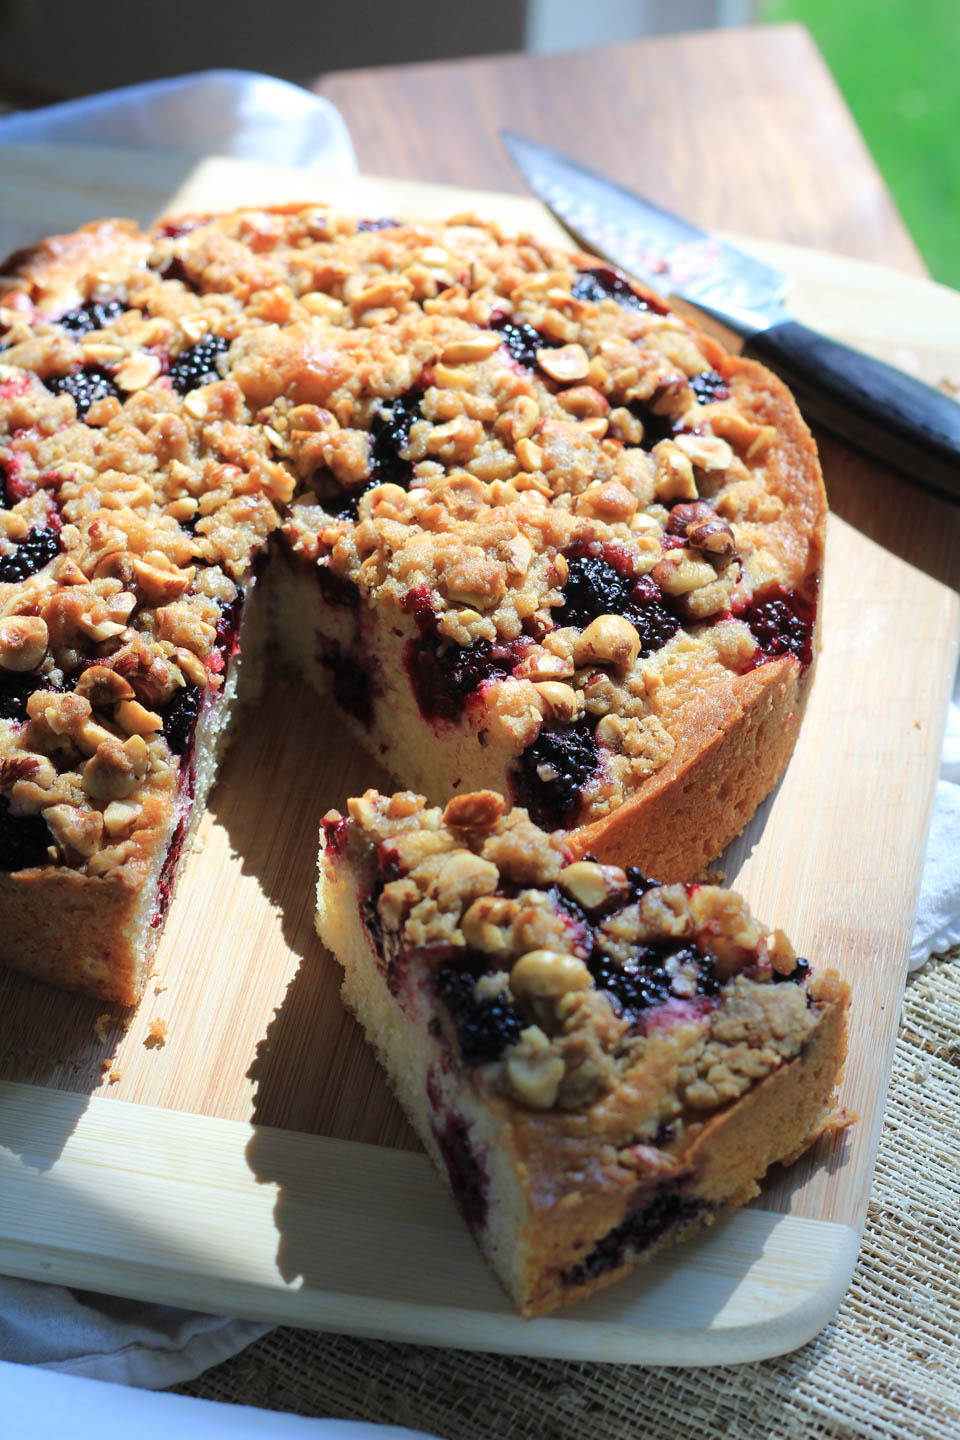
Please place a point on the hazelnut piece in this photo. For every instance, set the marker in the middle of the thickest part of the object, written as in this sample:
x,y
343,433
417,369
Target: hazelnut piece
x,y
546,974
560,701
591,884
23,642
566,364
479,811
534,1070
608,640
103,686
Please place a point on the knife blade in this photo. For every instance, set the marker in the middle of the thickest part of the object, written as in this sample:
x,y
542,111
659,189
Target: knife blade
x,y
881,411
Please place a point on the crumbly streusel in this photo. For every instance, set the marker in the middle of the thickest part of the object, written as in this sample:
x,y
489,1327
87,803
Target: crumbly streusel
x,y
168,401
555,946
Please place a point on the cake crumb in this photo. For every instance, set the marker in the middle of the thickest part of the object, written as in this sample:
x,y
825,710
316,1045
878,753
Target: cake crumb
x,y
101,1024
115,1077
156,1034
159,988
711,877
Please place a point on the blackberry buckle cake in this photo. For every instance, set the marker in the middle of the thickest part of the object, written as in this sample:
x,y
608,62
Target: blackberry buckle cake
x,y
509,501
596,1064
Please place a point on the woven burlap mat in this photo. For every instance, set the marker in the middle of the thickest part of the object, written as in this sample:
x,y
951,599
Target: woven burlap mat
x,y
888,1366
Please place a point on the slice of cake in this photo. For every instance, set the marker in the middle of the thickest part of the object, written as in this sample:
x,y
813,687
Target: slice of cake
x,y
596,1064
134,505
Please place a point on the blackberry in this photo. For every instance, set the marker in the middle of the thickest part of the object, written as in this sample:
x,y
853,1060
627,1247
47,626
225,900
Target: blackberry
x,y
604,283
336,589
389,434
641,1229
708,385
96,315
84,386
5,501
39,548
797,975
175,269
15,691
23,840
444,675
596,587
466,1171
228,625
644,980
485,1028
386,222
179,717
781,622
350,507
656,427
198,365
551,773
593,587
636,985
352,683
522,341
648,613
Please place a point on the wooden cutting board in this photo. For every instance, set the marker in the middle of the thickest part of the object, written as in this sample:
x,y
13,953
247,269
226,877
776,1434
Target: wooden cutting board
x,y
254,1163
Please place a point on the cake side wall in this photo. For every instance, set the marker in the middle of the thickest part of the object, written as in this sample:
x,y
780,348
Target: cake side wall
x,y
96,934
427,1086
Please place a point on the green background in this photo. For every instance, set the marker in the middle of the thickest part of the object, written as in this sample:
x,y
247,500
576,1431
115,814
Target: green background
x,y
898,65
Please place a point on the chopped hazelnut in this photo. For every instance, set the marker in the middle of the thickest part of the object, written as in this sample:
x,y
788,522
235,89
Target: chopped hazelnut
x,y
135,719
463,878
560,700
530,455
548,973
713,535
591,884
674,479
119,818
565,364
610,639
534,1070
708,452
678,573
77,832
138,371
103,686
159,586
23,642
475,347
486,924
479,811
116,769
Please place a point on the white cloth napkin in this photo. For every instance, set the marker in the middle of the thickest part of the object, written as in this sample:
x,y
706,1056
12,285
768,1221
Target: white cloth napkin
x,y
41,1407
254,116
102,1337
215,112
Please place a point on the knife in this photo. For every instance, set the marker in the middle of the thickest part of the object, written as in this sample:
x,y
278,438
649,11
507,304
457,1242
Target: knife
x,y
886,414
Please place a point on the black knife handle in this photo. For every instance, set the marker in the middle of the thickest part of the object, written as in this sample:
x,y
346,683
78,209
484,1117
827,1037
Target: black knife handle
x,y
906,425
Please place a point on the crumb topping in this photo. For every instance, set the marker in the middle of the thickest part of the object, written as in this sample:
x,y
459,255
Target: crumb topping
x,y
516,443
568,984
